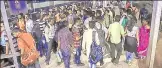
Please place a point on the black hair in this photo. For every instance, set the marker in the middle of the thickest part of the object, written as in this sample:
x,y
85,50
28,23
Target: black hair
x,y
99,12
90,13
117,18
129,11
15,30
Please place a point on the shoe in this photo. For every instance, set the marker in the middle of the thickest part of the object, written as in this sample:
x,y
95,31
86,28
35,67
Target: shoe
x,y
112,60
137,57
129,63
81,64
58,63
116,61
101,63
47,63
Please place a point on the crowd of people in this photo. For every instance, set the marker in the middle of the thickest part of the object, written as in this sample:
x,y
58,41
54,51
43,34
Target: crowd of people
x,y
76,30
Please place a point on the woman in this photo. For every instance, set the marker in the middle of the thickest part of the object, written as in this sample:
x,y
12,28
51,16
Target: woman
x,y
131,41
144,34
21,22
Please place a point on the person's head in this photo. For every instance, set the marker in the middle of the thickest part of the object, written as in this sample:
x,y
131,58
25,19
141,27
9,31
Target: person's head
x,y
129,11
21,16
44,17
92,24
26,17
15,32
145,22
51,21
78,12
70,11
117,18
77,20
75,11
98,13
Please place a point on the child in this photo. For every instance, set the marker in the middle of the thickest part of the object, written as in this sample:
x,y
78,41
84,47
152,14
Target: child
x,y
4,43
77,41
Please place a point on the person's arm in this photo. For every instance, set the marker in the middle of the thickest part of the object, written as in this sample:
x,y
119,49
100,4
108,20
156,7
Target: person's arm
x,y
137,37
84,42
58,48
122,31
97,39
108,34
7,47
46,33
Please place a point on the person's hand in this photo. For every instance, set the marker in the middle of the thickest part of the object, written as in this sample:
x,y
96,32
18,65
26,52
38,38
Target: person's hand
x,y
58,49
137,44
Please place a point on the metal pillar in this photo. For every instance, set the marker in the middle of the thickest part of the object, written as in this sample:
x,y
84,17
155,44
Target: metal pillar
x,y
6,24
154,33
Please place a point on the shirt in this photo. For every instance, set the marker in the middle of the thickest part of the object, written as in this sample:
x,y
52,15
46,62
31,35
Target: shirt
x,y
133,32
49,32
29,25
116,31
87,38
117,10
76,35
65,38
4,38
42,26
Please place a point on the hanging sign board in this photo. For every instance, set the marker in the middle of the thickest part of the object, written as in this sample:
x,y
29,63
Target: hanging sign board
x,y
17,6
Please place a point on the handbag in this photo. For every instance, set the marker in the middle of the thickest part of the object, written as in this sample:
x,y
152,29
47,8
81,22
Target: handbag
x,y
29,57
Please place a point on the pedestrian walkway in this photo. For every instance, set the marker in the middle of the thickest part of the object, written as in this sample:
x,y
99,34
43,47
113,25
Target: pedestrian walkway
x,y
108,64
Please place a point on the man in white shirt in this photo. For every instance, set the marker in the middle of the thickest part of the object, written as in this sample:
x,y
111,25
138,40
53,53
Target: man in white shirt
x,y
87,39
29,24
49,35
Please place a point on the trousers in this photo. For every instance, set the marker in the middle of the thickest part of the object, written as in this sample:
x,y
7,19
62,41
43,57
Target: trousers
x,y
118,48
77,55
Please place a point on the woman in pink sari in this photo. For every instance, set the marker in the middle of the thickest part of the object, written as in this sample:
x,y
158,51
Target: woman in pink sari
x,y
144,34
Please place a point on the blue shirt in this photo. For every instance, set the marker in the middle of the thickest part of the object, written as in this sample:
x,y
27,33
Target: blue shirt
x,y
3,38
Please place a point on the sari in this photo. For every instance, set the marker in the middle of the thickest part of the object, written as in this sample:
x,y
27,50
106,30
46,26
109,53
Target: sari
x,y
144,35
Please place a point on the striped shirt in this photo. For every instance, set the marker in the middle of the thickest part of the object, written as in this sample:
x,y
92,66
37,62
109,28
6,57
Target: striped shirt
x,y
76,36
42,26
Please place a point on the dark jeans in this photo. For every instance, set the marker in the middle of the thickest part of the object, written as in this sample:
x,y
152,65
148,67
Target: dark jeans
x,y
77,55
66,58
118,48
49,50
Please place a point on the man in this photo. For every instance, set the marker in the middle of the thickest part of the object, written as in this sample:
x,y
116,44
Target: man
x,y
4,40
29,24
49,35
115,32
87,40
70,18
23,37
64,43
77,41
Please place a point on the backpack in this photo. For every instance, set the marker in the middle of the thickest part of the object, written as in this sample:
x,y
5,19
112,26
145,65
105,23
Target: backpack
x,y
96,51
